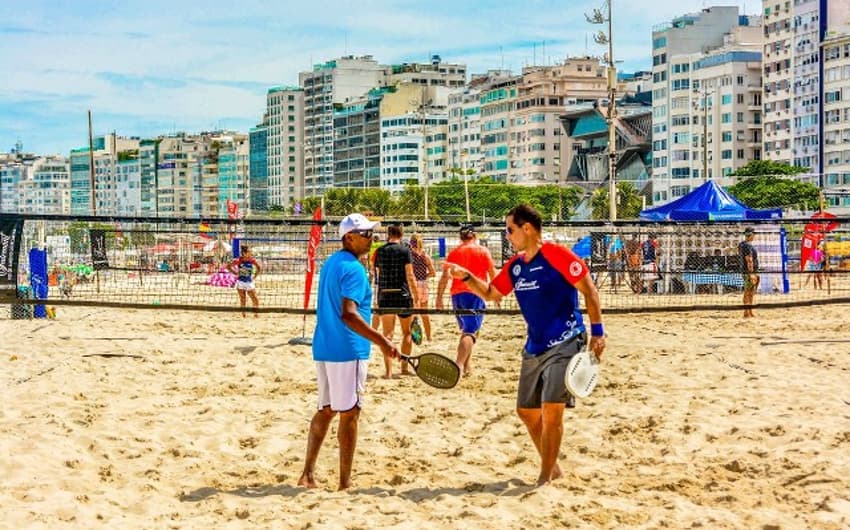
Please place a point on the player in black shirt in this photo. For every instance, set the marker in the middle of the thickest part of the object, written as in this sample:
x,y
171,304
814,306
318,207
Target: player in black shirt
x,y
396,290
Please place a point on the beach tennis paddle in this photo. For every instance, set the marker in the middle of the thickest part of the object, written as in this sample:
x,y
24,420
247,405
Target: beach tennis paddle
x,y
437,370
582,373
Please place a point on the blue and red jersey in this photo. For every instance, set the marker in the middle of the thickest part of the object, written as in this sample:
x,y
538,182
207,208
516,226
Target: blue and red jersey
x,y
245,267
546,293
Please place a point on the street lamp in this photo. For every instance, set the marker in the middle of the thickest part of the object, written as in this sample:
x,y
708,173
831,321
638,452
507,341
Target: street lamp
x,y
608,38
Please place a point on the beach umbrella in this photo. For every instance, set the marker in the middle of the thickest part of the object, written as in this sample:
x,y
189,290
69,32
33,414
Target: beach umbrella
x,y
822,223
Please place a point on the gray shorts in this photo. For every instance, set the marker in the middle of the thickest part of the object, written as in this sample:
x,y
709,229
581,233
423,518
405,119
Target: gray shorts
x,y
541,377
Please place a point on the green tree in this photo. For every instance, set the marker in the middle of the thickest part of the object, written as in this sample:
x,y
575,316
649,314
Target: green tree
x,y
755,168
629,202
776,192
767,188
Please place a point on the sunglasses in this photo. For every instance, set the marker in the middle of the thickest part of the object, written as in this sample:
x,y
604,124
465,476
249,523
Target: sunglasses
x,y
510,230
364,233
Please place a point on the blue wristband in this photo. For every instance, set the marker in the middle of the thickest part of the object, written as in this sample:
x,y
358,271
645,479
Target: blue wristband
x,y
596,330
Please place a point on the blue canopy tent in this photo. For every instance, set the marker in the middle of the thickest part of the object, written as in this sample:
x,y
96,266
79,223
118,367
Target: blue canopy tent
x,y
582,248
709,202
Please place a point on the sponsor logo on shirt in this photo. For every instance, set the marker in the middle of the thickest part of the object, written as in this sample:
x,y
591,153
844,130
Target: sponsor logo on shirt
x,y
522,284
575,269
535,269
570,331
517,269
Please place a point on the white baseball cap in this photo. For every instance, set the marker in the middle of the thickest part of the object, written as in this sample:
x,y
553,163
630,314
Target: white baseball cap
x,y
356,221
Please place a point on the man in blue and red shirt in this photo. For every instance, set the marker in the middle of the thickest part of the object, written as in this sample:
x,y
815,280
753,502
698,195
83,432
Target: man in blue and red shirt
x,y
546,279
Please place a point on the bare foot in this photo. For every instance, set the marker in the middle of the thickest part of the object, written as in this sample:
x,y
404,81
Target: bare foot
x,y
555,474
308,481
387,376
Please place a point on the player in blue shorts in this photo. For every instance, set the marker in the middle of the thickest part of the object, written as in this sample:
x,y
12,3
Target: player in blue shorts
x,y
546,279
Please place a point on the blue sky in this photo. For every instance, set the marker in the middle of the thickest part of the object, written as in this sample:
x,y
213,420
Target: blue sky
x,y
159,66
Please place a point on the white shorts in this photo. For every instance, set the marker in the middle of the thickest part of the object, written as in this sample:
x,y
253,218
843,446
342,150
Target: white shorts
x,y
245,286
341,385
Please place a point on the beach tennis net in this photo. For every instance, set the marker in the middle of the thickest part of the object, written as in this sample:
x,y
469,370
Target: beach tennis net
x,y
184,264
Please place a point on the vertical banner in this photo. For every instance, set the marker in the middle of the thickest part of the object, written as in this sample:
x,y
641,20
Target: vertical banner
x,y
97,241
11,228
807,247
38,280
312,245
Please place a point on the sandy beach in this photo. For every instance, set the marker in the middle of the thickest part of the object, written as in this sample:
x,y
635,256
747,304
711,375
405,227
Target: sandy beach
x,y
166,419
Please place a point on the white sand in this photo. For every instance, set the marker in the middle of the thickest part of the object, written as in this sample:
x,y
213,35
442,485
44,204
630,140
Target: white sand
x,y
702,419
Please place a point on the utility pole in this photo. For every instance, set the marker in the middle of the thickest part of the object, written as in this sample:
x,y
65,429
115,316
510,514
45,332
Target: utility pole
x,y
93,194
424,150
598,17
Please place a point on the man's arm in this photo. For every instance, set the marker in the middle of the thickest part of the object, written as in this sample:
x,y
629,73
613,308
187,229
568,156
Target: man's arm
x,y
351,317
441,288
594,313
483,289
411,283
259,269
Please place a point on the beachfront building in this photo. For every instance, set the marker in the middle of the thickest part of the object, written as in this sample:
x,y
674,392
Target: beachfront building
x,y
148,154
107,151
13,170
706,86
128,185
232,182
836,110
406,125
45,188
284,132
259,169
335,82
357,141
441,78
464,126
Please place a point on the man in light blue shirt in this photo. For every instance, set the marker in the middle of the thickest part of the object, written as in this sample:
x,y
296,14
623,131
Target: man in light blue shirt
x,y
341,345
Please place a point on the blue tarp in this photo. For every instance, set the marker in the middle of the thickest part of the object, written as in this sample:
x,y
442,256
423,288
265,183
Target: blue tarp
x,y
709,202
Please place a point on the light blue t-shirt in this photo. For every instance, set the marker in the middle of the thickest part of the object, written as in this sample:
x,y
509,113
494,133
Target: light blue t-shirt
x,y
342,276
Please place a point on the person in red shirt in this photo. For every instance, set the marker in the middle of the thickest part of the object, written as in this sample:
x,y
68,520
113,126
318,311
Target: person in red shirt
x,y
546,279
477,260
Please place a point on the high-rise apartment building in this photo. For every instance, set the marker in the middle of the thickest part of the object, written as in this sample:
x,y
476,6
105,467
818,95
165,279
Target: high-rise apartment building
x,y
520,118
259,168
405,128
357,141
233,167
335,82
836,107
35,184
128,185
791,71
108,149
285,111
464,128
705,98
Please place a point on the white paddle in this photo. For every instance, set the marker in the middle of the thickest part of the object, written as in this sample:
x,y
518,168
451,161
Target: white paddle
x,y
582,373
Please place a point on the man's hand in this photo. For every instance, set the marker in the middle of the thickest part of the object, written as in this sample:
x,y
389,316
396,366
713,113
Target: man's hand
x,y
455,270
439,302
597,346
389,349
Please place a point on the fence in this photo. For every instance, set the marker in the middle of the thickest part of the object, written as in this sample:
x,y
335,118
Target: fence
x,y
177,263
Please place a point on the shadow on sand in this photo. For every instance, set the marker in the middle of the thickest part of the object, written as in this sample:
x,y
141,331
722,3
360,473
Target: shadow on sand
x,y
510,488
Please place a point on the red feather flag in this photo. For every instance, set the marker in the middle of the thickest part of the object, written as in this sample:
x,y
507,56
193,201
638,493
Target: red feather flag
x,y
312,245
